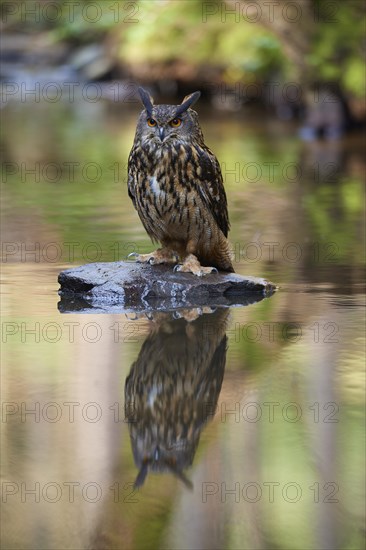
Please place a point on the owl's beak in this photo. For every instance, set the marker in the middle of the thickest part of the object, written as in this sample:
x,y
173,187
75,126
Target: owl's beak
x,y
161,133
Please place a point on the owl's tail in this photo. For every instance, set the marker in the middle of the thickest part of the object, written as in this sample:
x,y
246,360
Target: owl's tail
x,y
221,256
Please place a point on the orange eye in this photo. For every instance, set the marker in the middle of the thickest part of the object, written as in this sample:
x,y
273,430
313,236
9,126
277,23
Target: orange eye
x,y
151,122
175,122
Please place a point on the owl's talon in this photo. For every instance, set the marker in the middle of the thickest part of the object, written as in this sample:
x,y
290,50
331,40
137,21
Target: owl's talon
x,y
214,270
133,255
177,267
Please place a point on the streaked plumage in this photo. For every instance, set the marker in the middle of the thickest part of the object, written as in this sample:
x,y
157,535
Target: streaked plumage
x,y
176,186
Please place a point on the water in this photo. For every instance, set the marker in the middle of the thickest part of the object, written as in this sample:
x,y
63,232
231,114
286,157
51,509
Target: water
x,y
244,427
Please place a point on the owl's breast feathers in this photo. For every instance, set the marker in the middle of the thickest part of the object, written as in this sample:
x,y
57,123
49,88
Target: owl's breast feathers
x,y
169,184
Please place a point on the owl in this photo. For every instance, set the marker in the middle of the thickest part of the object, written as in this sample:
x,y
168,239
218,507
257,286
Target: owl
x,y
176,186
172,391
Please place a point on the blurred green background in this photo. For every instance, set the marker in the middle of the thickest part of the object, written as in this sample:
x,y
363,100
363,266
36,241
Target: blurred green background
x,y
283,109
241,45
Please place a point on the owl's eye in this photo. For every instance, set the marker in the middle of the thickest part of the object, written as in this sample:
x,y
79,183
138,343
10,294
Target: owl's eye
x,y
151,122
175,122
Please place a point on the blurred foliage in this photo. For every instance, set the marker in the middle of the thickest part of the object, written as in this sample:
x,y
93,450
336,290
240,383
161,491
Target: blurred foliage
x,y
338,49
171,31
165,31
80,21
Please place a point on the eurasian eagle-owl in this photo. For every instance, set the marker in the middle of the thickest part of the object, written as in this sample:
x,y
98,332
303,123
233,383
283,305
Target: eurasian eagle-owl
x,y
176,186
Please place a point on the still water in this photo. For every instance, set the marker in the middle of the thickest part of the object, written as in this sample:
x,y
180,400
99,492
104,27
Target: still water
x,y
241,427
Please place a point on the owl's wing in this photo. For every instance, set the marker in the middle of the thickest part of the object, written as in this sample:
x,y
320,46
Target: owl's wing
x,y
132,175
211,189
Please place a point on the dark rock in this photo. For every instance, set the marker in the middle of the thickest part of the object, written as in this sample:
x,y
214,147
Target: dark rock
x,y
128,286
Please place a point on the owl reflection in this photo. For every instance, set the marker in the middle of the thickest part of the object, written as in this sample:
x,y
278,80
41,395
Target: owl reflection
x,y
172,391
176,186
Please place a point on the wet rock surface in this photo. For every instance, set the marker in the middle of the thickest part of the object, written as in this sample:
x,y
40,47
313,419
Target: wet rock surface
x,y
126,286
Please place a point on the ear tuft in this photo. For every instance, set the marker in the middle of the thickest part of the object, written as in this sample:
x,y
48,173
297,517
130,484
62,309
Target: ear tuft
x,y
188,102
147,100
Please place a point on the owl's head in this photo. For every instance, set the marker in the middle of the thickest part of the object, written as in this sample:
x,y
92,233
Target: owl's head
x,y
161,124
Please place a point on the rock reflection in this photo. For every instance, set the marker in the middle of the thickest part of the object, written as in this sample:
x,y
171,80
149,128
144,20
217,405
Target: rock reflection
x,y
172,390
